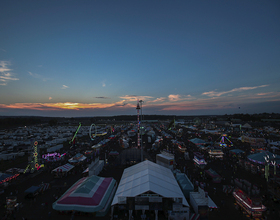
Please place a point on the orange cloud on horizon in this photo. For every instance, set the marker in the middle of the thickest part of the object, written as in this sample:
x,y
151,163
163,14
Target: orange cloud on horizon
x,y
62,106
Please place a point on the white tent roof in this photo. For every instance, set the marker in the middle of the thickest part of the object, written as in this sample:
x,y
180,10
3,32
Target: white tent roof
x,y
148,176
200,198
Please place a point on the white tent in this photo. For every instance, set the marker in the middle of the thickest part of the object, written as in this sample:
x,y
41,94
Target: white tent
x,y
148,176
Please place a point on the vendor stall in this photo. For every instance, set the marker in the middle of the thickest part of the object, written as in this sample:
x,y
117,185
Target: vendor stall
x,y
32,192
201,163
77,158
216,178
5,178
253,206
62,170
216,153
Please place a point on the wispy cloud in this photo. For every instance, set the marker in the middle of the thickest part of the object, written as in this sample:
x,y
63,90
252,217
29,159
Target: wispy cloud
x,y
161,104
121,103
178,97
3,49
64,87
263,94
133,98
218,94
3,66
103,84
5,75
174,98
65,106
35,75
102,97
38,76
161,99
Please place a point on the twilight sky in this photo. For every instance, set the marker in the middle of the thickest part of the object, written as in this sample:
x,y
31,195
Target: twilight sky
x,y
96,58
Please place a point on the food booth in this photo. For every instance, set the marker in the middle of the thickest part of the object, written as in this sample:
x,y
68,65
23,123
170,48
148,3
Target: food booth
x,y
253,206
199,162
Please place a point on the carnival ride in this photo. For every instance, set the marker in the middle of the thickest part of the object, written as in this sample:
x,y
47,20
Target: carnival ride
x,y
34,162
75,134
93,136
53,156
224,141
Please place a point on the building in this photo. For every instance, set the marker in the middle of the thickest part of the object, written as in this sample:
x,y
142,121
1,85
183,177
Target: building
x,y
201,203
165,159
150,187
185,184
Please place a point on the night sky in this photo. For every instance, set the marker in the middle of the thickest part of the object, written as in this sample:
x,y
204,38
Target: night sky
x,y
96,58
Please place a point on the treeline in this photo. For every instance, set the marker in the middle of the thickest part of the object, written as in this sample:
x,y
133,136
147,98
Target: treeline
x,y
246,117
11,122
256,117
134,117
20,121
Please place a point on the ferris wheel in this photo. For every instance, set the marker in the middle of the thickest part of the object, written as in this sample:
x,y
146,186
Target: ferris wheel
x,y
96,134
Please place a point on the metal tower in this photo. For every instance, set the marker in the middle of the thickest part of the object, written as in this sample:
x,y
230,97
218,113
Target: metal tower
x,y
141,102
138,131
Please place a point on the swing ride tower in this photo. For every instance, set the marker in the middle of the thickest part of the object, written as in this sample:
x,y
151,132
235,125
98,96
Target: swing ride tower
x,y
33,162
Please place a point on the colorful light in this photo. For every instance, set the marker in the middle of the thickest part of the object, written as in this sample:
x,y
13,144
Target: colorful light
x,y
9,178
90,134
75,133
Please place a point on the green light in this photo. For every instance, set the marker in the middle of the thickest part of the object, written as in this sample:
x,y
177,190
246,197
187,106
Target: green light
x,y
75,133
